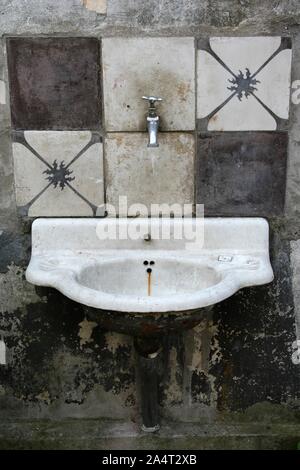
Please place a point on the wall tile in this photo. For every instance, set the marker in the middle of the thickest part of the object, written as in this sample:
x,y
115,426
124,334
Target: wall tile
x,y
54,83
58,173
149,175
241,174
243,83
133,67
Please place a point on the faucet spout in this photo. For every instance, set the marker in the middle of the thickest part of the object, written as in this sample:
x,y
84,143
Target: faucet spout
x,y
152,120
152,124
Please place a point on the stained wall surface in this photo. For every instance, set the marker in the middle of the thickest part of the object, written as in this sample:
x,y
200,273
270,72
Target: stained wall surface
x,y
230,141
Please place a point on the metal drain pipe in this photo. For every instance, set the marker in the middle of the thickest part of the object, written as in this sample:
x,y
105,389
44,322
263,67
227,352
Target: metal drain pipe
x,y
148,350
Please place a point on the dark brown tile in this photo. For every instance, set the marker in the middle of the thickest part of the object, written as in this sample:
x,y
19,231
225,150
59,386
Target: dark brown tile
x,y
54,83
242,174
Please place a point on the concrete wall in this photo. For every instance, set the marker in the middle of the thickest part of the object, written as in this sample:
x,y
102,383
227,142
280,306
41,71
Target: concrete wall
x,y
237,364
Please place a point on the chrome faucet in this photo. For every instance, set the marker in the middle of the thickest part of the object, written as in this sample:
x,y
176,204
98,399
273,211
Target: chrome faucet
x,y
152,120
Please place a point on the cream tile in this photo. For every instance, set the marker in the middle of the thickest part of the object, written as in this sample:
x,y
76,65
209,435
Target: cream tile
x,y
133,67
149,175
59,173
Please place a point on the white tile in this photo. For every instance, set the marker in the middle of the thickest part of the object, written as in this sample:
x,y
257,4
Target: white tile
x,y
244,115
60,145
274,86
241,52
149,175
244,56
84,191
133,67
57,203
212,87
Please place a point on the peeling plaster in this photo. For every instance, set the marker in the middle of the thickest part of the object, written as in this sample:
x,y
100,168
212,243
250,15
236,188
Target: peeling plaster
x,y
44,397
206,349
15,291
85,331
295,264
215,350
206,353
173,392
115,340
2,92
99,6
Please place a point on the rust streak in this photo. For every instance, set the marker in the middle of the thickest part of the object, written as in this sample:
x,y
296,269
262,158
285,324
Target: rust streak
x,y
149,283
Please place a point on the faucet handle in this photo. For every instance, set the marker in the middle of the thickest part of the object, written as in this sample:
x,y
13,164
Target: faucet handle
x,y
152,100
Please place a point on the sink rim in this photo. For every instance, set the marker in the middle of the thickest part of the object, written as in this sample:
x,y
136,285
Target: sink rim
x,y
69,240
64,278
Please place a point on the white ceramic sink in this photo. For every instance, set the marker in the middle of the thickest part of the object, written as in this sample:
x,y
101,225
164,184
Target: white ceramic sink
x,y
69,255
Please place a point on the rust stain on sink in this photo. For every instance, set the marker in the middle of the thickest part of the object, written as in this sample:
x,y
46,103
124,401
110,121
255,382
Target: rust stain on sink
x,y
149,282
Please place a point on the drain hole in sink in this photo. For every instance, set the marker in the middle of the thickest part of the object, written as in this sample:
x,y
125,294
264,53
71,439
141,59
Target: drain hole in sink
x,y
149,270
145,263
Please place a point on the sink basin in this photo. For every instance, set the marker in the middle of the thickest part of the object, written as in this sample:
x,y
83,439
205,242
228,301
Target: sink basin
x,y
125,282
